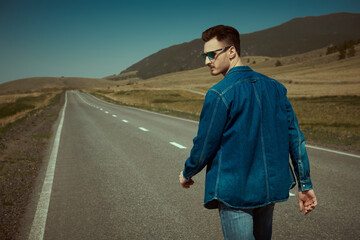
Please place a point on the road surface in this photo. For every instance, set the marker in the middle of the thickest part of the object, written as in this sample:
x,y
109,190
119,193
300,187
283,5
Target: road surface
x,y
115,176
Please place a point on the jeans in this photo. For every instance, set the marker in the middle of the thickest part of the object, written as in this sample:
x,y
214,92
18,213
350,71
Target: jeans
x,y
247,224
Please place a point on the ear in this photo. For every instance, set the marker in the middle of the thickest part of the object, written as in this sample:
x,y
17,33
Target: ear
x,y
232,52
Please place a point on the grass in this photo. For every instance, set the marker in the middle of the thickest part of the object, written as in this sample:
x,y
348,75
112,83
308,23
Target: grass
x,y
44,136
15,106
8,126
9,109
164,100
311,74
21,104
331,120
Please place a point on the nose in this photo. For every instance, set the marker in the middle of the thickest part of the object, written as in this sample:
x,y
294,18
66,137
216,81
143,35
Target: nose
x,y
207,60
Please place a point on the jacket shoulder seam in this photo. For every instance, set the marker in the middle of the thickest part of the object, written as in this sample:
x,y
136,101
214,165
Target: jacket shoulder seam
x,y
221,95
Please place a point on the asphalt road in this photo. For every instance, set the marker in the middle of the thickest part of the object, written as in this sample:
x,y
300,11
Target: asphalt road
x,y
116,177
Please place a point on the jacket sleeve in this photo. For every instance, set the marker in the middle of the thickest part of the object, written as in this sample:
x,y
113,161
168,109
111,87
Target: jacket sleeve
x,y
298,154
213,119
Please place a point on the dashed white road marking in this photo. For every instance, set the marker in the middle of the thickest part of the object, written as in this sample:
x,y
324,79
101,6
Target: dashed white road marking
x,y
143,129
314,147
125,121
114,115
138,109
291,194
38,225
177,145
106,112
101,109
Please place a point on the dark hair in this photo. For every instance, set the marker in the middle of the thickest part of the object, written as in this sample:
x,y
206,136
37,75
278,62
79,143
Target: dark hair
x,y
223,33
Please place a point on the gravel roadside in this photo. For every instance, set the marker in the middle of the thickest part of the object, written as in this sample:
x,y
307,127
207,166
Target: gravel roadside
x,y
22,148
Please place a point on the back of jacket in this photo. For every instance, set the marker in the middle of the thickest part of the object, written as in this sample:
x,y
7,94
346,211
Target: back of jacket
x,y
246,131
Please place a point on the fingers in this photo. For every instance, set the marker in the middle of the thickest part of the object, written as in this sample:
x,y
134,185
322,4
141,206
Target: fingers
x,y
301,205
310,205
182,179
190,182
306,206
307,201
184,182
187,184
315,203
309,209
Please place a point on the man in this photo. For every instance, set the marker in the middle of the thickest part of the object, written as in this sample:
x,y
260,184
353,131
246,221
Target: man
x,y
246,131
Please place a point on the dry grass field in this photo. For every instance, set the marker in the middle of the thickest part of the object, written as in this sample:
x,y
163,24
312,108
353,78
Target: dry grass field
x,y
46,84
17,106
19,97
324,91
311,74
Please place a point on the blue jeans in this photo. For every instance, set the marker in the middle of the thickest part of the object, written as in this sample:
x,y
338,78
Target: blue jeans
x,y
247,224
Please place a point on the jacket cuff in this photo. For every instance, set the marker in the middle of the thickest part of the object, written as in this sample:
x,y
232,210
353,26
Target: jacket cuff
x,y
305,185
186,175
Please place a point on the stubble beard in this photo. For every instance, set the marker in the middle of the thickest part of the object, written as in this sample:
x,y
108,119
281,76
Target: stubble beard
x,y
215,72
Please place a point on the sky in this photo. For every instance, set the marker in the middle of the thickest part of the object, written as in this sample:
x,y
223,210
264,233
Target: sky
x,y
87,38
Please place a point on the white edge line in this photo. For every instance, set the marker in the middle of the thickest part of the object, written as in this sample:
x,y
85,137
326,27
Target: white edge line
x,y
188,120
333,151
177,145
38,226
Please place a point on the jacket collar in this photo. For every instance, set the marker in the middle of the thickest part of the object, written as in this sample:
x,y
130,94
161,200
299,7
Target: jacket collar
x,y
239,69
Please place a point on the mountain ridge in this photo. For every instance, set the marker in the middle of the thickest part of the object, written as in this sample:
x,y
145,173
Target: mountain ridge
x,y
299,35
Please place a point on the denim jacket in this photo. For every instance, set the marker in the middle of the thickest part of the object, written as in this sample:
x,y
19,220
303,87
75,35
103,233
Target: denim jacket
x,y
246,131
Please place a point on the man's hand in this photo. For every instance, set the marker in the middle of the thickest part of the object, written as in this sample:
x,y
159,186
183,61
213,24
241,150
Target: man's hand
x,y
185,183
307,201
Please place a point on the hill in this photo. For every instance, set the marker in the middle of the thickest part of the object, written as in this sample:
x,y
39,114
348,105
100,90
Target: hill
x,y
310,74
45,83
296,36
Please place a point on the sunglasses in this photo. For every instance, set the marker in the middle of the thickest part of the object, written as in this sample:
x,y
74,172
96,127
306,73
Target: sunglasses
x,y
211,55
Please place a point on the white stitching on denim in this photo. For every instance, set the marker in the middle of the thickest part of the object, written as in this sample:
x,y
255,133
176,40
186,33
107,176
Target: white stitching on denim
x,y
218,175
230,87
263,146
201,161
237,83
299,154
222,98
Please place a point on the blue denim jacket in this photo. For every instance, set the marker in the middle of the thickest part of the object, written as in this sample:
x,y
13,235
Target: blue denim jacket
x,y
246,131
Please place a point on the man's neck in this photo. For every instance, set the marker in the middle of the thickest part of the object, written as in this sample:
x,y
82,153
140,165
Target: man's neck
x,y
236,63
